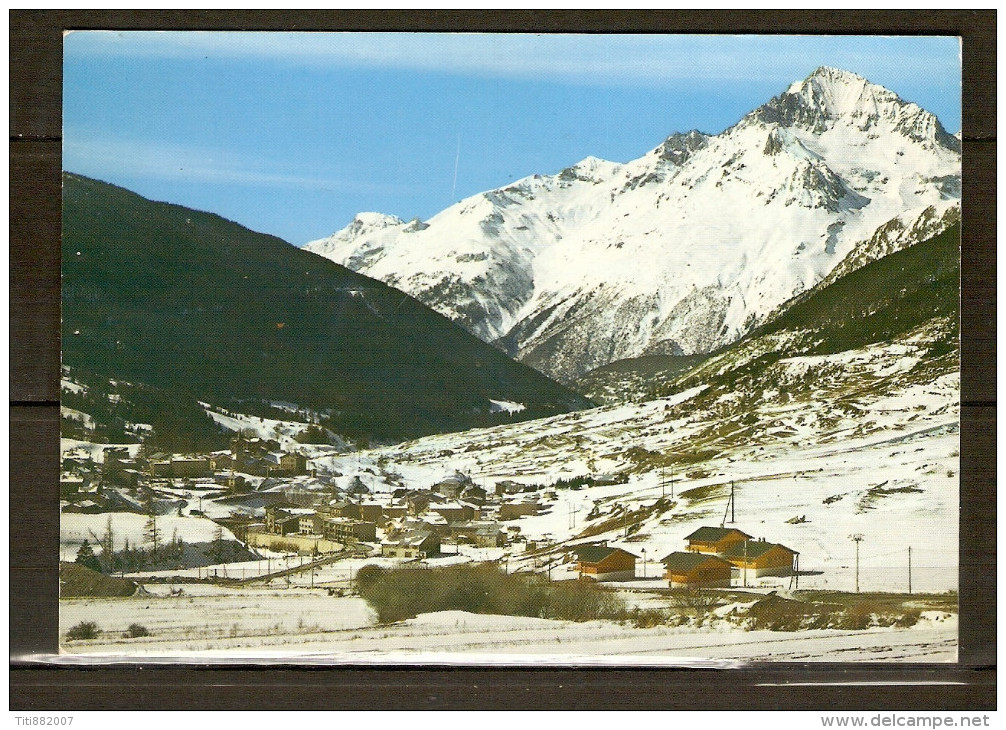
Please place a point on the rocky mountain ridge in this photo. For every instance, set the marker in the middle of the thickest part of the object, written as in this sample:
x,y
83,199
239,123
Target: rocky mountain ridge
x,y
685,249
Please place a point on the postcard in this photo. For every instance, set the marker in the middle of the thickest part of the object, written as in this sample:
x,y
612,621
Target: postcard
x,y
510,349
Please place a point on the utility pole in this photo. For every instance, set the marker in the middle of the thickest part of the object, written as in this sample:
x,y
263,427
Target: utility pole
x,y
732,504
857,538
909,570
644,563
745,560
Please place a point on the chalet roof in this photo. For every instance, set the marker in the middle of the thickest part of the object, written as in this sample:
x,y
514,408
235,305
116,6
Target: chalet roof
x,y
492,529
754,549
452,504
714,534
411,538
346,521
685,562
281,504
596,553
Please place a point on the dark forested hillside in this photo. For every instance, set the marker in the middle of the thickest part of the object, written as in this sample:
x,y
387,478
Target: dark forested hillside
x,y
176,298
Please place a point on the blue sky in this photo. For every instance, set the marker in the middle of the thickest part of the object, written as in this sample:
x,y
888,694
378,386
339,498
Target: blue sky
x,y
293,133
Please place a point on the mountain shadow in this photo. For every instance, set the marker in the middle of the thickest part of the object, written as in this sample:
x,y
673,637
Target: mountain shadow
x,y
180,299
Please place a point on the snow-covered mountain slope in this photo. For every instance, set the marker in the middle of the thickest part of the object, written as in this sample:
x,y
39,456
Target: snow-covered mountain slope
x,y
684,249
839,417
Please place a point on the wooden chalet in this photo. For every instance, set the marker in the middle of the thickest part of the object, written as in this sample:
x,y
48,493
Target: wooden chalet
x,y
759,558
696,570
601,563
715,540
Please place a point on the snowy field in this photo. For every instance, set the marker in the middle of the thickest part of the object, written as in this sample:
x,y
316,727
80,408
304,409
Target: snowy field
x,y
212,623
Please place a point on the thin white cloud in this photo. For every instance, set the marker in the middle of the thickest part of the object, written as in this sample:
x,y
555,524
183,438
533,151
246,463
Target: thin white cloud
x,y
641,58
118,158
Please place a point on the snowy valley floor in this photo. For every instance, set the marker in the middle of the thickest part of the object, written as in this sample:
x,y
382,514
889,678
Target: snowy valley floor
x,y
218,624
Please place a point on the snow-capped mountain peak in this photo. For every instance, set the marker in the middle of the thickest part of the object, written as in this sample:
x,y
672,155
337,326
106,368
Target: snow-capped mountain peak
x,y
832,98
368,222
682,250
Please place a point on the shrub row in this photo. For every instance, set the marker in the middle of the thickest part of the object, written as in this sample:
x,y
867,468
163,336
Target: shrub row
x,y
401,593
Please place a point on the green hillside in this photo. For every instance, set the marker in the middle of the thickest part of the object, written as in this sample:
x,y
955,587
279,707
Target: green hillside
x,y
881,300
187,301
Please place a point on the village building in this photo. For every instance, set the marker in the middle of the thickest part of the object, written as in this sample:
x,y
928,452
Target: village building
x,y
220,460
480,534
452,486
85,506
286,520
77,458
419,543
513,510
116,462
508,486
715,540
160,468
758,557
456,511
281,463
191,466
283,524
696,570
379,513
310,524
71,484
233,482
489,536
342,508
474,494
603,563
344,530
180,467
